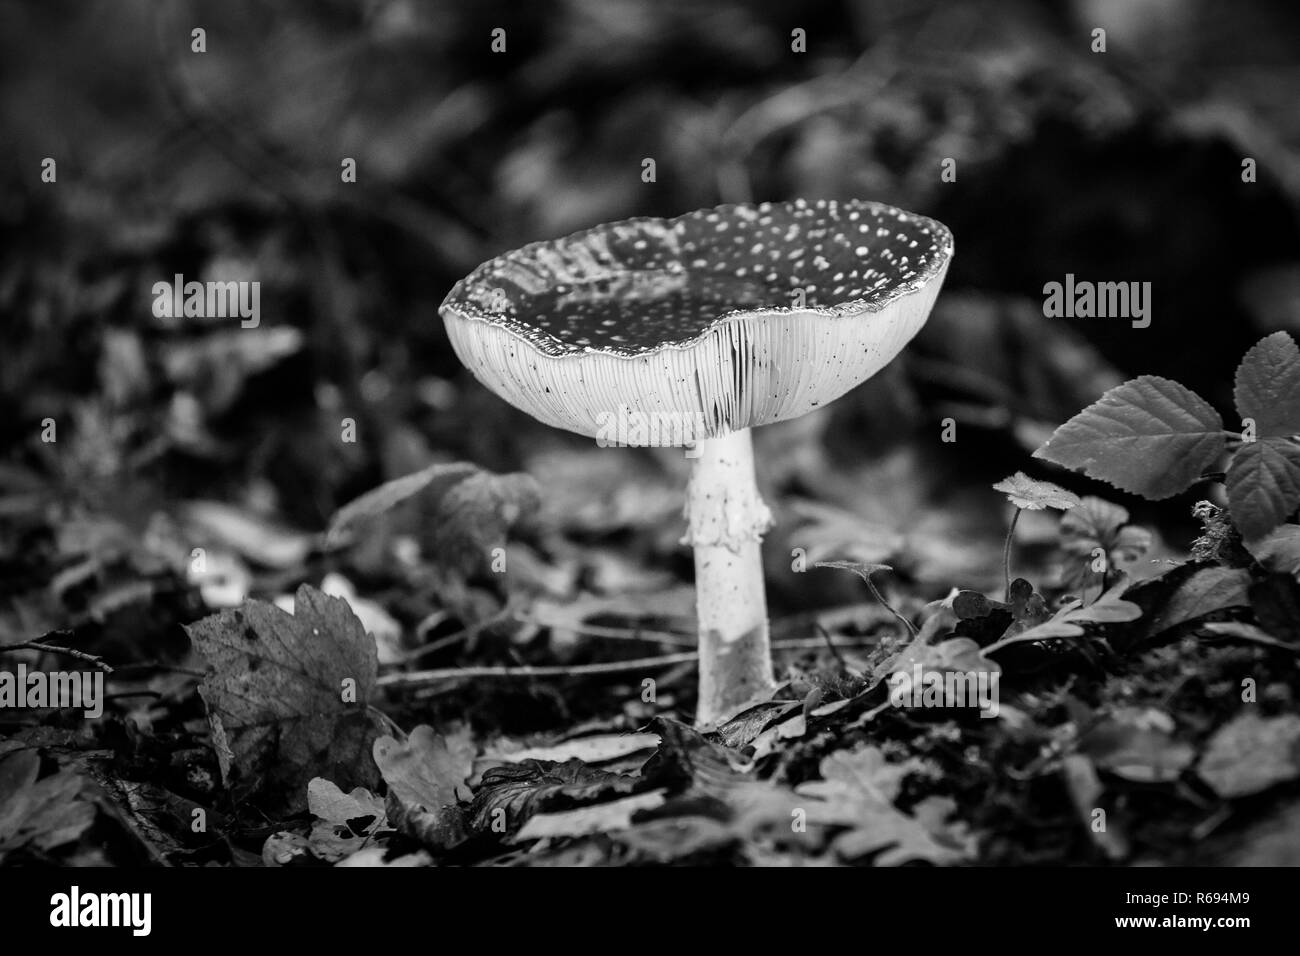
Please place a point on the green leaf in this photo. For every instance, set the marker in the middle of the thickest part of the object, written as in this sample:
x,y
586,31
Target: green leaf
x,y
1107,609
1263,485
1095,523
1208,590
1149,436
1025,492
1268,386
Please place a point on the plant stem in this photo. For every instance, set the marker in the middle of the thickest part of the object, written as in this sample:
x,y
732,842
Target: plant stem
x,y
1006,555
889,607
726,519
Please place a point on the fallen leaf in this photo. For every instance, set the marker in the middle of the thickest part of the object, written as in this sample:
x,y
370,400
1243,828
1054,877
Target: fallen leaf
x,y
598,818
1138,745
287,849
286,697
353,518
508,796
1273,841
599,748
344,821
377,856
426,777
1085,790
46,813
855,793
247,533
676,839
1251,753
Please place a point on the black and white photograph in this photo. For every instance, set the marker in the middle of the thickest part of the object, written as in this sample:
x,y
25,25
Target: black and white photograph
x,y
474,435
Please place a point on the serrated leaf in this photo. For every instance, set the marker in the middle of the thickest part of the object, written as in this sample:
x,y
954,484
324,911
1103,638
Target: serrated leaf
x,y
1149,436
1033,495
1263,485
274,692
1267,387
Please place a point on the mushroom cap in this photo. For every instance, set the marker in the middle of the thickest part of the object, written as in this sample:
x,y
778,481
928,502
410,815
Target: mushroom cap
x,y
696,324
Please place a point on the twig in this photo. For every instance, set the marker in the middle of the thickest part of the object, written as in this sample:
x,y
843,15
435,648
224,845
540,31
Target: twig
x,y
830,644
464,634
417,678
1006,555
55,649
617,633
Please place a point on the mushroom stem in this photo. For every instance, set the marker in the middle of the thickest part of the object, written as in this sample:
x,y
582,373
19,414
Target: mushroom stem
x,y
726,519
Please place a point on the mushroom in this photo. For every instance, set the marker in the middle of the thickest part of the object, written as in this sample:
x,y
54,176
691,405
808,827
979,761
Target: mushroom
x,y
688,332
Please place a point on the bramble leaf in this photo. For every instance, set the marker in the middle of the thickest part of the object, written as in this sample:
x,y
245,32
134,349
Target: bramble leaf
x,y
1149,436
1268,386
1263,485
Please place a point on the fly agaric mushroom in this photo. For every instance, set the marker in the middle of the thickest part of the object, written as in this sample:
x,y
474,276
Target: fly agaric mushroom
x,y
690,331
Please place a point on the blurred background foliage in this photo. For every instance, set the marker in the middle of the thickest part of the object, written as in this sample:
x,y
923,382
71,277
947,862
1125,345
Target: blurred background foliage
x,y
1122,166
